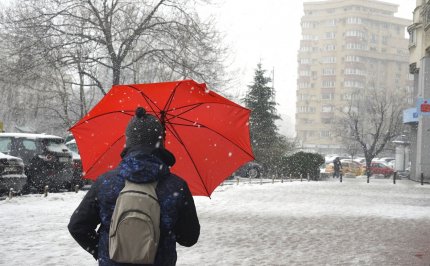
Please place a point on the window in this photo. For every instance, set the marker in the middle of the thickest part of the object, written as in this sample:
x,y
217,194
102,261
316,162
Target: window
x,y
306,48
306,109
330,47
307,24
331,23
409,89
328,72
330,35
326,120
412,37
327,96
327,109
354,71
302,96
305,61
353,84
5,145
426,15
352,58
356,46
329,60
307,121
305,73
354,33
310,37
353,20
384,39
328,84
346,96
304,85
29,144
325,133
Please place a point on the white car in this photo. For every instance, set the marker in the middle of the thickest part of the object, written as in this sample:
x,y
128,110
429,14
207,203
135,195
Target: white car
x,y
12,174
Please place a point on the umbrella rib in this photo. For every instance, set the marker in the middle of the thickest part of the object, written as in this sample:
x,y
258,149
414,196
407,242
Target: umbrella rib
x,y
169,101
92,166
147,99
198,125
176,135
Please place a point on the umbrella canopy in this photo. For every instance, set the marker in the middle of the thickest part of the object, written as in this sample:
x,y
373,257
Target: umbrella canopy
x,y
207,133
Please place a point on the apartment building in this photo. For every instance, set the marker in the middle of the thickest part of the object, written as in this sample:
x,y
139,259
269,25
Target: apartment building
x,y
346,47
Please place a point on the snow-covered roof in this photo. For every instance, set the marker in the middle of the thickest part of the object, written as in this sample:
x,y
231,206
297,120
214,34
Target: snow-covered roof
x,y
29,135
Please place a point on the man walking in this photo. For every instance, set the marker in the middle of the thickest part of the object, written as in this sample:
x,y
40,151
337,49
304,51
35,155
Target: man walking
x,y
144,160
337,165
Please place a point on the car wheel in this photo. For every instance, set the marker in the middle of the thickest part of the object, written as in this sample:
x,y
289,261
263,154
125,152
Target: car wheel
x,y
253,173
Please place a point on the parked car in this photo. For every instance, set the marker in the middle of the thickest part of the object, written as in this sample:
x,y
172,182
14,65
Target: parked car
x,y
47,160
12,174
250,169
77,166
360,160
380,168
69,138
387,159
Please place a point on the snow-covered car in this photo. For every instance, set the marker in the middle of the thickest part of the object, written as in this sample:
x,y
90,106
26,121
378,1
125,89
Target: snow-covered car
x,y
12,174
250,169
47,160
380,168
387,159
77,165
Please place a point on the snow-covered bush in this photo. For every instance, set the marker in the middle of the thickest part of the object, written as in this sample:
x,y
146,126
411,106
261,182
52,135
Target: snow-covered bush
x,y
303,163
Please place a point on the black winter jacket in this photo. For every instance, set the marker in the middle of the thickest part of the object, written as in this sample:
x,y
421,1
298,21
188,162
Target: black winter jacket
x,y
178,223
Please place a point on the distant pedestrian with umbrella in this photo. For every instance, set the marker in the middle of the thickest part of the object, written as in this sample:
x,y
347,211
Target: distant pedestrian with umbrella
x,y
337,165
144,160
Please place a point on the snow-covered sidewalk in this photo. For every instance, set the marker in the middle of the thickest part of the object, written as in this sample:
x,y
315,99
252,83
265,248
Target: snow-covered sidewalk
x,y
290,223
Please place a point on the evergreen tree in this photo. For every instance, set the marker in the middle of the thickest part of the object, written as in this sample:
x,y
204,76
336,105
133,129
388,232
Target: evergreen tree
x,y
266,142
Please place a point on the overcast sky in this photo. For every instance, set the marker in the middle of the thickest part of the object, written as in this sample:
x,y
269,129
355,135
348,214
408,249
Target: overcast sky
x,y
270,31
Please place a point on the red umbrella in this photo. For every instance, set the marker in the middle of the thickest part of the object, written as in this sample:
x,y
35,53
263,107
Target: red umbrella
x,y
207,133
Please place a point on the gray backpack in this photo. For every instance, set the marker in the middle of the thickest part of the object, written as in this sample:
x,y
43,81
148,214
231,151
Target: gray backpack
x,y
135,226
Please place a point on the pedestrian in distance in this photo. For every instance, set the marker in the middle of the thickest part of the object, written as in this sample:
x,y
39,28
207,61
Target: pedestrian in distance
x,y
145,163
337,165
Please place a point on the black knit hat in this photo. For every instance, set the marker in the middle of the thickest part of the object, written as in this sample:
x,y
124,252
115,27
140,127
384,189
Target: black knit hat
x,y
144,129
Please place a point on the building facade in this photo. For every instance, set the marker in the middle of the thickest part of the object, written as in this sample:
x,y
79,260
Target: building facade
x,y
346,47
418,118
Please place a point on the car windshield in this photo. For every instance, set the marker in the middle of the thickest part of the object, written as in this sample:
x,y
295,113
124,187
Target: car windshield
x,y
5,144
73,147
54,145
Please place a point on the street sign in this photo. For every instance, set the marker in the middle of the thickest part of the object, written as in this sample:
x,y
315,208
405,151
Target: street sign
x,y
423,107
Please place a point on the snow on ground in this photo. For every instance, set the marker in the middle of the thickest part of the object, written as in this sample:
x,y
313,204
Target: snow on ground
x,y
290,223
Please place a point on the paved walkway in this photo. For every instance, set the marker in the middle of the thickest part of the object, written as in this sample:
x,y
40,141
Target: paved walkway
x,y
314,223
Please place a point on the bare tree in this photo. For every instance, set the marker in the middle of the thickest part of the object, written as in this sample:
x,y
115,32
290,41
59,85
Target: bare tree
x,y
63,50
371,120
118,34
